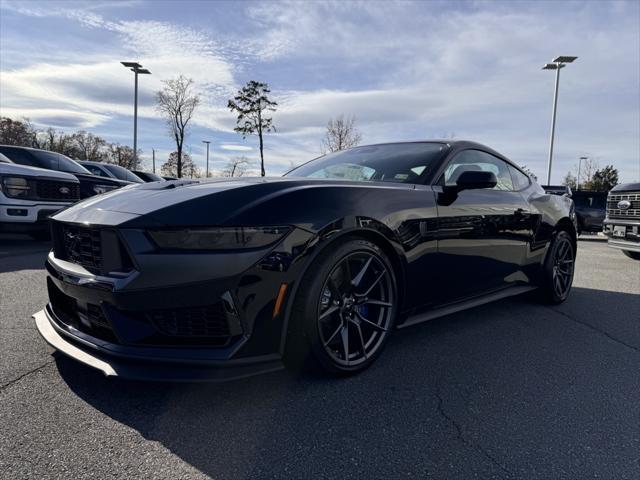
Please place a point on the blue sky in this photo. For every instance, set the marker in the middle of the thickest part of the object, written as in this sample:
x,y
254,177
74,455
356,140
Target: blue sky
x,y
406,70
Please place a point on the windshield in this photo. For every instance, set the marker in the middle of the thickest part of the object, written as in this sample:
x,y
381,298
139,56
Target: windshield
x,y
399,162
150,176
57,161
122,173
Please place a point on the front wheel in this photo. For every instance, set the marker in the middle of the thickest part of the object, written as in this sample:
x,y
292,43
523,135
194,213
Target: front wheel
x,y
344,310
558,269
630,254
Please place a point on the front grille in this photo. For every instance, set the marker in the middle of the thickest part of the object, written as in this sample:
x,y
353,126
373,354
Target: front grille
x,y
82,246
100,326
55,190
194,322
612,205
93,323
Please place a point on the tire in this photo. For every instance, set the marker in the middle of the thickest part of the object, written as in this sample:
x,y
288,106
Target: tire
x,y
340,327
558,269
630,254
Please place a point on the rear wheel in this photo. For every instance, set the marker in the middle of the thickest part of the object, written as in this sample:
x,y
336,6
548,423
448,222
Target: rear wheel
x,y
344,310
558,269
630,254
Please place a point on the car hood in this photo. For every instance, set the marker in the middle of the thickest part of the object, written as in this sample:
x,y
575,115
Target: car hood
x,y
24,171
194,202
89,177
627,187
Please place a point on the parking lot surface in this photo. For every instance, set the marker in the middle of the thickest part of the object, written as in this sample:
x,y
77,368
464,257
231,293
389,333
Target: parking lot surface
x,y
512,389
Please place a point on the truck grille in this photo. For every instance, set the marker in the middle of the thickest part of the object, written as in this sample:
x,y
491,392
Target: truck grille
x,y
55,190
612,205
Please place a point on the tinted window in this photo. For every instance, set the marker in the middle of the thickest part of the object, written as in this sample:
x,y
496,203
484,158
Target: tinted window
x,y
150,177
122,173
400,162
95,170
476,160
520,180
21,157
589,201
57,161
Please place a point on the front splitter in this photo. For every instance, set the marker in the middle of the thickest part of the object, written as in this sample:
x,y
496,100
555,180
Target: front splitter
x,y
150,371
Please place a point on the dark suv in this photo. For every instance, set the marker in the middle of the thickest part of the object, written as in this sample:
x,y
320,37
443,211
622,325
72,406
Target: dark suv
x,y
89,184
622,225
591,209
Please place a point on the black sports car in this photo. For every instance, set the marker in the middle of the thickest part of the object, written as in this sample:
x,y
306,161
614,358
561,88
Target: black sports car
x,y
194,280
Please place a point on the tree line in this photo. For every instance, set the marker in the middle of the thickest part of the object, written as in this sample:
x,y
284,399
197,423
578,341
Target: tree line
x,y
80,145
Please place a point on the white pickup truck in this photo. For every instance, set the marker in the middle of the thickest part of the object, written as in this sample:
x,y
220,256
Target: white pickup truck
x,y
29,195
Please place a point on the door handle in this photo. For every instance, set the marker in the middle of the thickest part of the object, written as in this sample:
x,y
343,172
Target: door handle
x,y
522,212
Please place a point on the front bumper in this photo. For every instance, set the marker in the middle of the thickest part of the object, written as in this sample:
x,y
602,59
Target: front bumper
x,y
111,361
631,240
176,316
19,217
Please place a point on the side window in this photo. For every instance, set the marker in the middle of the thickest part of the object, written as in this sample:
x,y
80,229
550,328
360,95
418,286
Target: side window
x,y
21,157
520,180
476,160
96,170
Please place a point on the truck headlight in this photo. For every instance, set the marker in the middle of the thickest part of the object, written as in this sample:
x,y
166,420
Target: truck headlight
x,y
217,238
16,186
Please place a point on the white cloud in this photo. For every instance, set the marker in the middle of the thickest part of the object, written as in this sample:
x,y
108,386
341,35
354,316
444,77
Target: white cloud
x,y
235,148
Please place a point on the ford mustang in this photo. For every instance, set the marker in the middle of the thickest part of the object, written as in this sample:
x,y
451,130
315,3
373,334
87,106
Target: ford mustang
x,y
209,280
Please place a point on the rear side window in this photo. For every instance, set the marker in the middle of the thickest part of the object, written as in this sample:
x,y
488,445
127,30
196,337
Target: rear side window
x,y
96,170
520,180
21,157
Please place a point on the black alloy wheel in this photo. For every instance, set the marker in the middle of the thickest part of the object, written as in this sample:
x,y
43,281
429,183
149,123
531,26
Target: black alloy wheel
x,y
355,308
559,268
346,306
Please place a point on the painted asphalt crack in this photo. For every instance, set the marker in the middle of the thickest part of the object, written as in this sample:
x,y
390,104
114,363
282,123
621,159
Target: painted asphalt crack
x,y
460,436
596,329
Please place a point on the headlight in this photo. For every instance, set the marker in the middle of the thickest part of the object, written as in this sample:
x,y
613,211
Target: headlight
x,y
104,188
16,186
218,238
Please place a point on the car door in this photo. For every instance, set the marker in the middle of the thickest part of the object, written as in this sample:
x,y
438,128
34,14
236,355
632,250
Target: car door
x,y
482,233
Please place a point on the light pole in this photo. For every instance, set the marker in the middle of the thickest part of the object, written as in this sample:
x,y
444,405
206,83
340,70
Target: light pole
x,y
136,68
579,165
207,142
556,64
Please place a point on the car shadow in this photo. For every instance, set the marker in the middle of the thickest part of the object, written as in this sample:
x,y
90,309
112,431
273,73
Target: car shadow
x,y
439,390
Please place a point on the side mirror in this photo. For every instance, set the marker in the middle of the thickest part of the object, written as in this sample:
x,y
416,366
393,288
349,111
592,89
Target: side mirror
x,y
472,180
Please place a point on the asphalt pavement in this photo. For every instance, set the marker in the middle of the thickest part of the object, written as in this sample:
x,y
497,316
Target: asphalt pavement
x,y
512,389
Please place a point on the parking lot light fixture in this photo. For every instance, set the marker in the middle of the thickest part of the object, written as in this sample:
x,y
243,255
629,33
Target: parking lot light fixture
x,y
579,165
207,171
556,64
137,69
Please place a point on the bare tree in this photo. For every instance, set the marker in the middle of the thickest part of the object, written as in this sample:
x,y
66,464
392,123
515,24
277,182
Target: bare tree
x,y
90,146
251,103
341,134
17,132
123,155
170,167
177,102
236,167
